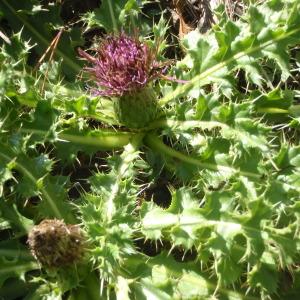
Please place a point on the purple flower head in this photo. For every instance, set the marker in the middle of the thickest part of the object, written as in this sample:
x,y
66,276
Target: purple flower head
x,y
122,65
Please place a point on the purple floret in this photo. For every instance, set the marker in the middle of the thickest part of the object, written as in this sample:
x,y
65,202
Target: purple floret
x,y
122,65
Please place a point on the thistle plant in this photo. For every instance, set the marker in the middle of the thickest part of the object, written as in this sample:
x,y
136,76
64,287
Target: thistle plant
x,y
124,68
103,197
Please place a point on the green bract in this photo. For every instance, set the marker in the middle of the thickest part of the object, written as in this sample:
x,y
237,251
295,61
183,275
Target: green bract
x,y
200,204
138,109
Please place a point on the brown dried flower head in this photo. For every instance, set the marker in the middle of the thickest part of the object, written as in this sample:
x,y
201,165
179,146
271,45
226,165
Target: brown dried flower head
x,y
54,243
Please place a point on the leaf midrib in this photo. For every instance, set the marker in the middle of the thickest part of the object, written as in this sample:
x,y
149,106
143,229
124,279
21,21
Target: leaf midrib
x,y
183,88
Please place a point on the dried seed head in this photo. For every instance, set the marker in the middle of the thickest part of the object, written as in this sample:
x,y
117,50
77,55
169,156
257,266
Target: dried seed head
x,y
123,65
55,244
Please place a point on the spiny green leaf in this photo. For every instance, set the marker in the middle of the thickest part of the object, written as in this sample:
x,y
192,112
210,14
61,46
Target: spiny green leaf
x,y
264,276
37,181
20,15
120,15
246,47
107,15
170,280
112,201
45,118
15,261
19,223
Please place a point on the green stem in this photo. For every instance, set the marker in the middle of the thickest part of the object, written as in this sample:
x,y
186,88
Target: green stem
x,y
112,16
272,110
155,143
293,110
107,141
184,125
104,139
